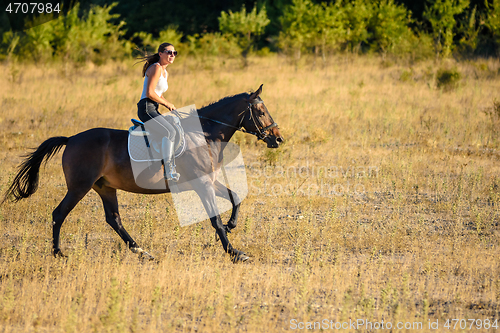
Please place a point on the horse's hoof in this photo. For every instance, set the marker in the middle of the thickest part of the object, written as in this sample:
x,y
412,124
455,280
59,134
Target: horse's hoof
x,y
142,254
58,254
239,257
146,256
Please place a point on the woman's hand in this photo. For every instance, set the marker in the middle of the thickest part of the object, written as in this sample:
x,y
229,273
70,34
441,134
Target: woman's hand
x,y
169,106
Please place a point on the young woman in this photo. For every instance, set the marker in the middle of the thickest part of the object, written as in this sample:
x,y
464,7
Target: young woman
x,y
155,84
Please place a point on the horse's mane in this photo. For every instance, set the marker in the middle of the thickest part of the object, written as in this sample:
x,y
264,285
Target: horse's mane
x,y
208,109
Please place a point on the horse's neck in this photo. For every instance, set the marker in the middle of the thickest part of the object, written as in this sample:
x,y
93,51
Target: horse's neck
x,y
219,132
222,118
227,110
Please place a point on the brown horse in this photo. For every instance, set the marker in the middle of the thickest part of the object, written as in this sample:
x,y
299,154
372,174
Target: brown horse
x,y
98,159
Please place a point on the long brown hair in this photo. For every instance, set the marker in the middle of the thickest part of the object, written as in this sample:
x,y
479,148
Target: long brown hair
x,y
151,59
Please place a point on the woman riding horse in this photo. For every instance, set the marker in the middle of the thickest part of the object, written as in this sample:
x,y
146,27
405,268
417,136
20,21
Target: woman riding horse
x,y
98,159
155,84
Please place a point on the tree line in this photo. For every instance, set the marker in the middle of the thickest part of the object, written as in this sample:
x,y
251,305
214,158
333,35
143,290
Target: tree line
x,y
99,30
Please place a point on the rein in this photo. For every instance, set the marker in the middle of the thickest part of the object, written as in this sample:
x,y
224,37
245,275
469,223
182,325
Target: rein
x,y
261,134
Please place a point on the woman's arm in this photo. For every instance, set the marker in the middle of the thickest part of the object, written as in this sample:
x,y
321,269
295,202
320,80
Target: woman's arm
x,y
153,74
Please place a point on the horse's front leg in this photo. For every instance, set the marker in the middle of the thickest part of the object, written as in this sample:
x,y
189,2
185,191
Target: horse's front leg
x,y
236,255
223,192
207,192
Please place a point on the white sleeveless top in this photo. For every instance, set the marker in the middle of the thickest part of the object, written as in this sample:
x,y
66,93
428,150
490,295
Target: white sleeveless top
x,y
161,87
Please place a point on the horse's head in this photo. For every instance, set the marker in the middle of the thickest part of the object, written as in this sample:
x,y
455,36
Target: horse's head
x,y
259,121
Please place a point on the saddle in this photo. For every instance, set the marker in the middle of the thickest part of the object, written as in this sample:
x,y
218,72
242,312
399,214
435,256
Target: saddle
x,y
144,147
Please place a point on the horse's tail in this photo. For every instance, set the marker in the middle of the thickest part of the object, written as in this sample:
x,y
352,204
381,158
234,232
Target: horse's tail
x,y
26,181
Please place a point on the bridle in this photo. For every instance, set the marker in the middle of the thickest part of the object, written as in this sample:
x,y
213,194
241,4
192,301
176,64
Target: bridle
x,y
261,133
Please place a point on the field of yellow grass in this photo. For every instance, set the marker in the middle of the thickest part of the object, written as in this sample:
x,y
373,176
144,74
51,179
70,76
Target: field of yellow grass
x,y
381,208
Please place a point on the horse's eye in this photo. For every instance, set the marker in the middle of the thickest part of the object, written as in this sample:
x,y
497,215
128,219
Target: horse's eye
x,y
259,112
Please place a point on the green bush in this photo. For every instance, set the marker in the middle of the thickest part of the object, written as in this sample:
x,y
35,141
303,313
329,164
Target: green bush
x,y
170,34
469,31
213,44
415,47
329,30
383,26
447,79
36,44
306,25
441,15
90,38
356,25
296,27
245,27
8,45
389,27
492,21
358,14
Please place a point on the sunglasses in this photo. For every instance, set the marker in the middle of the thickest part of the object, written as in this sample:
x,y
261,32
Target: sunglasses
x,y
171,53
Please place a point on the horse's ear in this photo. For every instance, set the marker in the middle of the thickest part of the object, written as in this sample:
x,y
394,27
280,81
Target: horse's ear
x,y
256,94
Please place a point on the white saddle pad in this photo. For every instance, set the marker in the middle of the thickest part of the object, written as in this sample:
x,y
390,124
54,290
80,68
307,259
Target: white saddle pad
x,y
140,152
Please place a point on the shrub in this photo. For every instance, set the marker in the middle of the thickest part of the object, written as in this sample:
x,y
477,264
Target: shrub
x,y
90,38
245,27
389,26
36,44
358,15
380,25
469,30
448,79
493,21
169,34
213,44
306,25
441,15
328,31
8,45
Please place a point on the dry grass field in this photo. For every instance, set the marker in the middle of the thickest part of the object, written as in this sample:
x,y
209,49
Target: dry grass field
x,y
382,206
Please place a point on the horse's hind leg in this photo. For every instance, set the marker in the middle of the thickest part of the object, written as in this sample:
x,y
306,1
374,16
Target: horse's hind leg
x,y
110,203
59,215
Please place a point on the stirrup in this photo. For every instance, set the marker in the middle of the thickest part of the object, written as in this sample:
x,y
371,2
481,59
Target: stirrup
x,y
171,174
167,148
